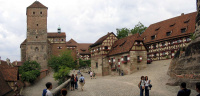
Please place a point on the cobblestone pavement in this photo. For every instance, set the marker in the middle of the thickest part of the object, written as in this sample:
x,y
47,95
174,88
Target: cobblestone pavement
x,y
37,88
127,85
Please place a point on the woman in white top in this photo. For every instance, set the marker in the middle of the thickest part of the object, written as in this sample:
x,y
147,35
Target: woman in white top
x,y
141,85
147,82
91,74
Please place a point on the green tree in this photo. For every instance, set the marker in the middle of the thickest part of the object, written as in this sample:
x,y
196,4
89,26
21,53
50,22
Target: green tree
x,y
139,28
62,65
84,63
30,70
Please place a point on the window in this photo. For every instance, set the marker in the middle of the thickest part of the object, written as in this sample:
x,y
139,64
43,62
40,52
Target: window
x,y
40,12
168,33
36,37
172,25
125,58
96,65
59,47
62,39
171,42
187,21
157,29
33,12
106,47
36,49
183,30
179,41
37,24
154,46
153,37
188,39
163,44
111,60
154,55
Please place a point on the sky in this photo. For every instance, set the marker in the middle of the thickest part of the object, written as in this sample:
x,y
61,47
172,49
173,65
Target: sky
x,y
84,20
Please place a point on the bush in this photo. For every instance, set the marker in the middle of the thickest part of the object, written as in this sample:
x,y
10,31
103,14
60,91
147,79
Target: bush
x,y
30,70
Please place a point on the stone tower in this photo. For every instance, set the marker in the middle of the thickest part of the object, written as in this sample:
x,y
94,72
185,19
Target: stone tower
x,y
197,31
36,40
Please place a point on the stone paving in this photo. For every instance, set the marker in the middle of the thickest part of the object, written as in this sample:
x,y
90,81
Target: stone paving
x,y
127,85
37,88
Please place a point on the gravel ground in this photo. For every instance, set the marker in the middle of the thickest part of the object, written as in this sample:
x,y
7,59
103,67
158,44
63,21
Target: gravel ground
x,y
37,88
127,85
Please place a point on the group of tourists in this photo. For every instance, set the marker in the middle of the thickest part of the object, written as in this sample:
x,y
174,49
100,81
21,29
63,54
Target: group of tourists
x,y
74,82
47,92
92,74
144,84
186,92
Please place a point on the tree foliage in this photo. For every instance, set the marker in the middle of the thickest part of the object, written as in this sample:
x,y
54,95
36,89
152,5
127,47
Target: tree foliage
x,y
84,63
62,65
30,70
139,28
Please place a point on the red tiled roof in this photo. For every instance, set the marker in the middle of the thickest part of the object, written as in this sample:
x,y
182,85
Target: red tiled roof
x,y
174,24
4,87
71,43
83,48
37,4
17,63
100,40
10,74
56,35
124,45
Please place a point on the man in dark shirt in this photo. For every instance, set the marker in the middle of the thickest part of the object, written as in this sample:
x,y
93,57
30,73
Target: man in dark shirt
x,y
184,91
198,88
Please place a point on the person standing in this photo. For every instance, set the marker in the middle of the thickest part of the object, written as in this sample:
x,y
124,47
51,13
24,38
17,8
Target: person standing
x,y
122,73
72,82
198,88
141,85
82,82
49,87
184,91
94,75
91,74
147,82
76,80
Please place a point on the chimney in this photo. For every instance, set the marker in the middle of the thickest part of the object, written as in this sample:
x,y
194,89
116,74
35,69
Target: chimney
x,y
16,62
182,14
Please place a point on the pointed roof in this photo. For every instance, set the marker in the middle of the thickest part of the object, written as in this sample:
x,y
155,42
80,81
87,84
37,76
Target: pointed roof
x,y
37,4
100,40
71,43
124,45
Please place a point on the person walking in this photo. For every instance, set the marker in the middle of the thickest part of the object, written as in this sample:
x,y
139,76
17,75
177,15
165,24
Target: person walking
x,y
184,91
122,73
94,75
49,87
82,82
141,85
64,92
72,82
147,82
91,74
198,88
76,80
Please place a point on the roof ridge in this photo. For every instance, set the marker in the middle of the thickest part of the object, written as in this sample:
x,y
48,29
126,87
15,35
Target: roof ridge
x,y
37,4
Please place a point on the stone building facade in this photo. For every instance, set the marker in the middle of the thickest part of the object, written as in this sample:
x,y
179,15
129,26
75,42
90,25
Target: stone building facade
x,y
99,51
128,54
164,38
39,44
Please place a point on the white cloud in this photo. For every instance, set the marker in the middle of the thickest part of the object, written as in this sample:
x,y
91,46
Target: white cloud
x,y
84,20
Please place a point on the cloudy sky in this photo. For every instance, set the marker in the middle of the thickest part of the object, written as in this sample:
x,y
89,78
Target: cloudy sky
x,y
84,20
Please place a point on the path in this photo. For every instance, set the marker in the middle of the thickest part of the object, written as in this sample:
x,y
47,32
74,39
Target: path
x,y
37,88
127,85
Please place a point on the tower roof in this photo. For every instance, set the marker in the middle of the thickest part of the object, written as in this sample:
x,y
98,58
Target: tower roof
x,y
37,4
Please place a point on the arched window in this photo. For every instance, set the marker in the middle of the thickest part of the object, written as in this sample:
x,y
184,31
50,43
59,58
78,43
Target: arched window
x,y
36,49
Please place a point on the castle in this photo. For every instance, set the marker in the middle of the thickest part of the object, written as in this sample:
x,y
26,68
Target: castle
x,y
39,44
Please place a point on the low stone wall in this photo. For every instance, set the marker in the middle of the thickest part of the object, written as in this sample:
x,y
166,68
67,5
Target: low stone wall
x,y
43,73
57,91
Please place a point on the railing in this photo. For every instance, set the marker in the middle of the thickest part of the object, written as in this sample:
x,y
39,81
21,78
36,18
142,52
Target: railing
x,y
57,90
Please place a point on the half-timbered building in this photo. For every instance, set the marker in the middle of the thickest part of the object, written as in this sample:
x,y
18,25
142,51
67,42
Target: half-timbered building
x,y
164,38
99,51
127,54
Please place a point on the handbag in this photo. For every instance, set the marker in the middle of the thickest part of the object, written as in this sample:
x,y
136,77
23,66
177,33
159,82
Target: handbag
x,y
149,87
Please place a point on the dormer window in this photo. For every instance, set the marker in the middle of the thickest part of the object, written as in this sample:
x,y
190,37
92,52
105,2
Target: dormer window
x,y
157,29
153,37
172,25
183,30
168,33
187,21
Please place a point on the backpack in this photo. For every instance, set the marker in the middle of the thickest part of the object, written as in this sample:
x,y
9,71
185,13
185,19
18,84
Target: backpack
x,y
75,80
81,80
44,92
